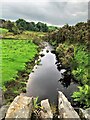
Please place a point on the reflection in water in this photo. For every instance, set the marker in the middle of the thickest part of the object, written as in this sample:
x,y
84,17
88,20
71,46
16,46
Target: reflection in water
x,y
44,81
66,81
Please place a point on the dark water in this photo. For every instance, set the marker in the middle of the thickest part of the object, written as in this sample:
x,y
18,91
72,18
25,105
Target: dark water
x,y
46,79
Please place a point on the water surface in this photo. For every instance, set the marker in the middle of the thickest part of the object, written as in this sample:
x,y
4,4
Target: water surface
x,y
44,81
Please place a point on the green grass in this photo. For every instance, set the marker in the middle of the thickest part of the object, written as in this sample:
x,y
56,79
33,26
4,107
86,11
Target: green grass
x,y
82,96
3,31
80,69
15,53
30,35
79,64
81,61
52,28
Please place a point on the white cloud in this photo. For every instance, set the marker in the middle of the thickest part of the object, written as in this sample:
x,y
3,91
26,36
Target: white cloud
x,y
43,1
56,13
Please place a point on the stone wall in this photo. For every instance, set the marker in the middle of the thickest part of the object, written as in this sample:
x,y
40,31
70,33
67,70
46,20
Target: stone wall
x,y
24,107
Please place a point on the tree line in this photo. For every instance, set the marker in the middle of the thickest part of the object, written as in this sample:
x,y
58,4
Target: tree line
x,y
21,25
77,33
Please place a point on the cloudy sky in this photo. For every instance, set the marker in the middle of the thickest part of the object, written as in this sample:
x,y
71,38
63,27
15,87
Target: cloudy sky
x,y
55,12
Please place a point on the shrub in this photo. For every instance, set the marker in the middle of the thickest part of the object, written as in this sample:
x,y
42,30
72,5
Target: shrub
x,y
82,96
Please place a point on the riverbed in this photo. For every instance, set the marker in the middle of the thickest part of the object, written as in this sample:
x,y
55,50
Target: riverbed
x,y
46,79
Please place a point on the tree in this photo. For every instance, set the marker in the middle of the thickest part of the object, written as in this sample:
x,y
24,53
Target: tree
x,y
31,26
15,29
45,28
8,24
2,21
21,24
42,27
39,26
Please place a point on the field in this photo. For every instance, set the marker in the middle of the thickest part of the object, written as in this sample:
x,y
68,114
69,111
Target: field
x,y
17,57
15,53
30,35
3,31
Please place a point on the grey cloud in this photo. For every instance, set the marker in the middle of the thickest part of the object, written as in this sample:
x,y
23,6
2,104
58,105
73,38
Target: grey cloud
x,y
56,13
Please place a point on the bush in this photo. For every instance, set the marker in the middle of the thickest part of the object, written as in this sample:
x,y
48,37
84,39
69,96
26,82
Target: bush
x,y
82,96
81,59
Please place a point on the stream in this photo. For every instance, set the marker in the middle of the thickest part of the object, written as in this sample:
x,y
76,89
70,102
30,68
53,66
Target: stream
x,y
46,79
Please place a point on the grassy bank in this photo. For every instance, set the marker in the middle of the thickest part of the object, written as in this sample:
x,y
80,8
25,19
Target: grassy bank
x,y
17,50
15,53
17,62
75,56
18,56
3,31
